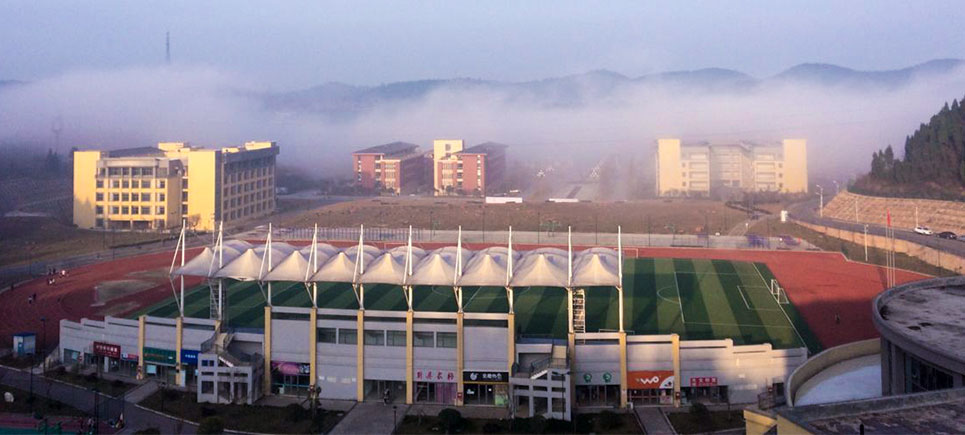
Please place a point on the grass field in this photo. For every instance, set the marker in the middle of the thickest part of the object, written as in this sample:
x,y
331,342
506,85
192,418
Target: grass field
x,y
696,298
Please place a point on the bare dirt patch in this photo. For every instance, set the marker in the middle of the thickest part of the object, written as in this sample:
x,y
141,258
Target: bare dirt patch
x,y
656,216
109,290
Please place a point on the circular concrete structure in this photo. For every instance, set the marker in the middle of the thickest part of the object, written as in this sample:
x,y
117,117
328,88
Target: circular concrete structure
x,y
922,335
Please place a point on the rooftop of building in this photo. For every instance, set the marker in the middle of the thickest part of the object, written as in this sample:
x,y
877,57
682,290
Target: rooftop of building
x,y
927,312
484,148
930,412
389,148
162,148
136,152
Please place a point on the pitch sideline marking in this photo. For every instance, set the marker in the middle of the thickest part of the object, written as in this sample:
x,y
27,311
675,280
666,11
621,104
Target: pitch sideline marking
x,y
782,308
679,298
740,291
742,325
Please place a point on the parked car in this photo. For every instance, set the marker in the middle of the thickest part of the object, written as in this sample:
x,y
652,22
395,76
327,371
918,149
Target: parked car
x,y
961,237
947,235
923,230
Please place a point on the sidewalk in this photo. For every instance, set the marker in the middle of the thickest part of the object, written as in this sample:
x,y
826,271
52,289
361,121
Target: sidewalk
x,y
370,418
653,420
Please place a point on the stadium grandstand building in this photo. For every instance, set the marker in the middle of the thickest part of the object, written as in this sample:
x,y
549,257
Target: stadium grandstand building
x,y
701,169
151,188
468,171
397,166
539,331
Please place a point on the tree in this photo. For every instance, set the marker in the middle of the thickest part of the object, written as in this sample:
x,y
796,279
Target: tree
x,y
211,425
450,420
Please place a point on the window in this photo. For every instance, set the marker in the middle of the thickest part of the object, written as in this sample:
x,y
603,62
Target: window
x,y
184,209
145,210
115,210
125,197
146,184
375,337
423,339
184,183
134,210
125,184
326,335
347,336
147,171
184,195
160,210
395,338
99,209
136,172
145,197
160,184
446,339
125,171
98,196
207,387
160,197
114,171
99,223
116,184
207,363
125,210
115,197
100,184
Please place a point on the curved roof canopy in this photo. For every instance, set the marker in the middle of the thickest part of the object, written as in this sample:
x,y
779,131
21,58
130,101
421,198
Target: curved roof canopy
x,y
487,267
438,267
542,267
295,267
596,267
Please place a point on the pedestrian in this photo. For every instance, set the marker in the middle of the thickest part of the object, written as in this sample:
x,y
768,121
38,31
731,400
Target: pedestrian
x,y
837,319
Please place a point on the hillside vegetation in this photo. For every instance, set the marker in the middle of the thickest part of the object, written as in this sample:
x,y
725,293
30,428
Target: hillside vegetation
x,y
933,165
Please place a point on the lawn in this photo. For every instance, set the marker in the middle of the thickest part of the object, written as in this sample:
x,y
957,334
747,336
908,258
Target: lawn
x,y
115,388
249,418
21,403
699,299
34,239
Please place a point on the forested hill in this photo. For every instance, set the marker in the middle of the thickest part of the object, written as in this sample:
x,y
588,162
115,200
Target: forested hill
x,y
933,164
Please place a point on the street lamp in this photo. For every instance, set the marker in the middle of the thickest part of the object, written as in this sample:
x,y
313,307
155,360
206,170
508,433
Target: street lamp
x,y
821,205
836,186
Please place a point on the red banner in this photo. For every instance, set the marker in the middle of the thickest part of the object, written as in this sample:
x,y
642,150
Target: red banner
x,y
650,379
107,349
703,381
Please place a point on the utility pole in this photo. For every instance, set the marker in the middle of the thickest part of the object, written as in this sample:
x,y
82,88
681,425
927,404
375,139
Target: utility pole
x,y
865,243
821,204
916,216
856,210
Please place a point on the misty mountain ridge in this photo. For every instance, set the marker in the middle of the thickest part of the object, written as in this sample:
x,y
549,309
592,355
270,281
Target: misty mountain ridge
x,y
340,99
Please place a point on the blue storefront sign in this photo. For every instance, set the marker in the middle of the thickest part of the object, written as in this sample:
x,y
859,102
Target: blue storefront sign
x,y
189,357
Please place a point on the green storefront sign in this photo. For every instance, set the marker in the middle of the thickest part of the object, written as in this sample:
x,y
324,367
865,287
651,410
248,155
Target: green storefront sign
x,y
160,356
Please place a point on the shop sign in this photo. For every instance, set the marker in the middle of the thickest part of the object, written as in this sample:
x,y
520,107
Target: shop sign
x,y
650,379
435,376
107,349
595,378
703,381
291,368
189,357
161,356
129,357
475,376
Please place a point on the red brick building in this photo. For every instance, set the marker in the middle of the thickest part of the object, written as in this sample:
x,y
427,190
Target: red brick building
x,y
397,166
473,171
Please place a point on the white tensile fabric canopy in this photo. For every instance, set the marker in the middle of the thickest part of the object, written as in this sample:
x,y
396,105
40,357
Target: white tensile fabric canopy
x,y
293,268
247,267
323,250
438,267
206,263
487,267
390,267
542,267
596,267
238,245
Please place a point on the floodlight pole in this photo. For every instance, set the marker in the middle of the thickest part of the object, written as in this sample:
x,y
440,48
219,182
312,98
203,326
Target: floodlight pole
x,y
183,242
620,275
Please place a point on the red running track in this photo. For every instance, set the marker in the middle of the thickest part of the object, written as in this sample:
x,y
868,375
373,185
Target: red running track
x,y
820,284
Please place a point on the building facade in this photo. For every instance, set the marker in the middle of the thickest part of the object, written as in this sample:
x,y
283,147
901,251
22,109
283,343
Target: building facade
x,y
397,166
468,171
701,169
155,188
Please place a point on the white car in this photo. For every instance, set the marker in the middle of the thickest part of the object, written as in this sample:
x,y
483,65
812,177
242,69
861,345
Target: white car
x,y
923,230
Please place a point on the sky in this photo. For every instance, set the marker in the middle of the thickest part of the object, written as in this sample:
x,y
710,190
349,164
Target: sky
x,y
296,44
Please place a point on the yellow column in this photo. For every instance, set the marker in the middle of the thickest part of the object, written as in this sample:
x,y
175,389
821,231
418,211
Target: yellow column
x,y
141,323
313,348
266,379
178,343
360,356
675,351
571,335
623,370
460,360
511,342
409,390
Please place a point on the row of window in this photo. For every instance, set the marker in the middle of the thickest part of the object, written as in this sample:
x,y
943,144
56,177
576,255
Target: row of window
x,y
250,210
232,177
380,337
134,197
127,171
247,187
123,209
246,199
133,184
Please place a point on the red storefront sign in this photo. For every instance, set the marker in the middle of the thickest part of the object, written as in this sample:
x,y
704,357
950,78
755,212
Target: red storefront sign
x,y
703,381
650,379
107,349
435,376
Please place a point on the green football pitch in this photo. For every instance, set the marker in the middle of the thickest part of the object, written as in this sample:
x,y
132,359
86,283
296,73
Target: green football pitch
x,y
698,299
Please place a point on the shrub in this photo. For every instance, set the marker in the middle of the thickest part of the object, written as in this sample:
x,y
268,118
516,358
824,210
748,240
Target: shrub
x,y
609,420
450,420
207,411
91,377
700,412
492,427
296,412
211,425
170,395
117,384
584,424
60,370
555,425
538,424
149,431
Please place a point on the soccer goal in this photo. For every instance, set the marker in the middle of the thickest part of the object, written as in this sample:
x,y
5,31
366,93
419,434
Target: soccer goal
x,y
778,292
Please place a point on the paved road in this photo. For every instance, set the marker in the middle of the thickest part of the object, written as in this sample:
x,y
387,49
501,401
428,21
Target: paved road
x,y
808,212
136,418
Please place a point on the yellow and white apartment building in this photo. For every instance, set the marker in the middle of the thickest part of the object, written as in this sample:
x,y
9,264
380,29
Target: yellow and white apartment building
x,y
701,168
150,188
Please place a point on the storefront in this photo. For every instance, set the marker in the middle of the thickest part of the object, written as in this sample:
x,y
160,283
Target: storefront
x,y
106,357
435,386
385,390
189,364
160,364
650,387
290,378
485,388
597,389
703,389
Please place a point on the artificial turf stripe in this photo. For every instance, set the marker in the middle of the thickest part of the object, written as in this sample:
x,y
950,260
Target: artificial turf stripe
x,y
640,301
718,306
752,328
810,340
433,298
602,311
486,299
781,332
254,317
666,298
386,297
335,295
695,312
